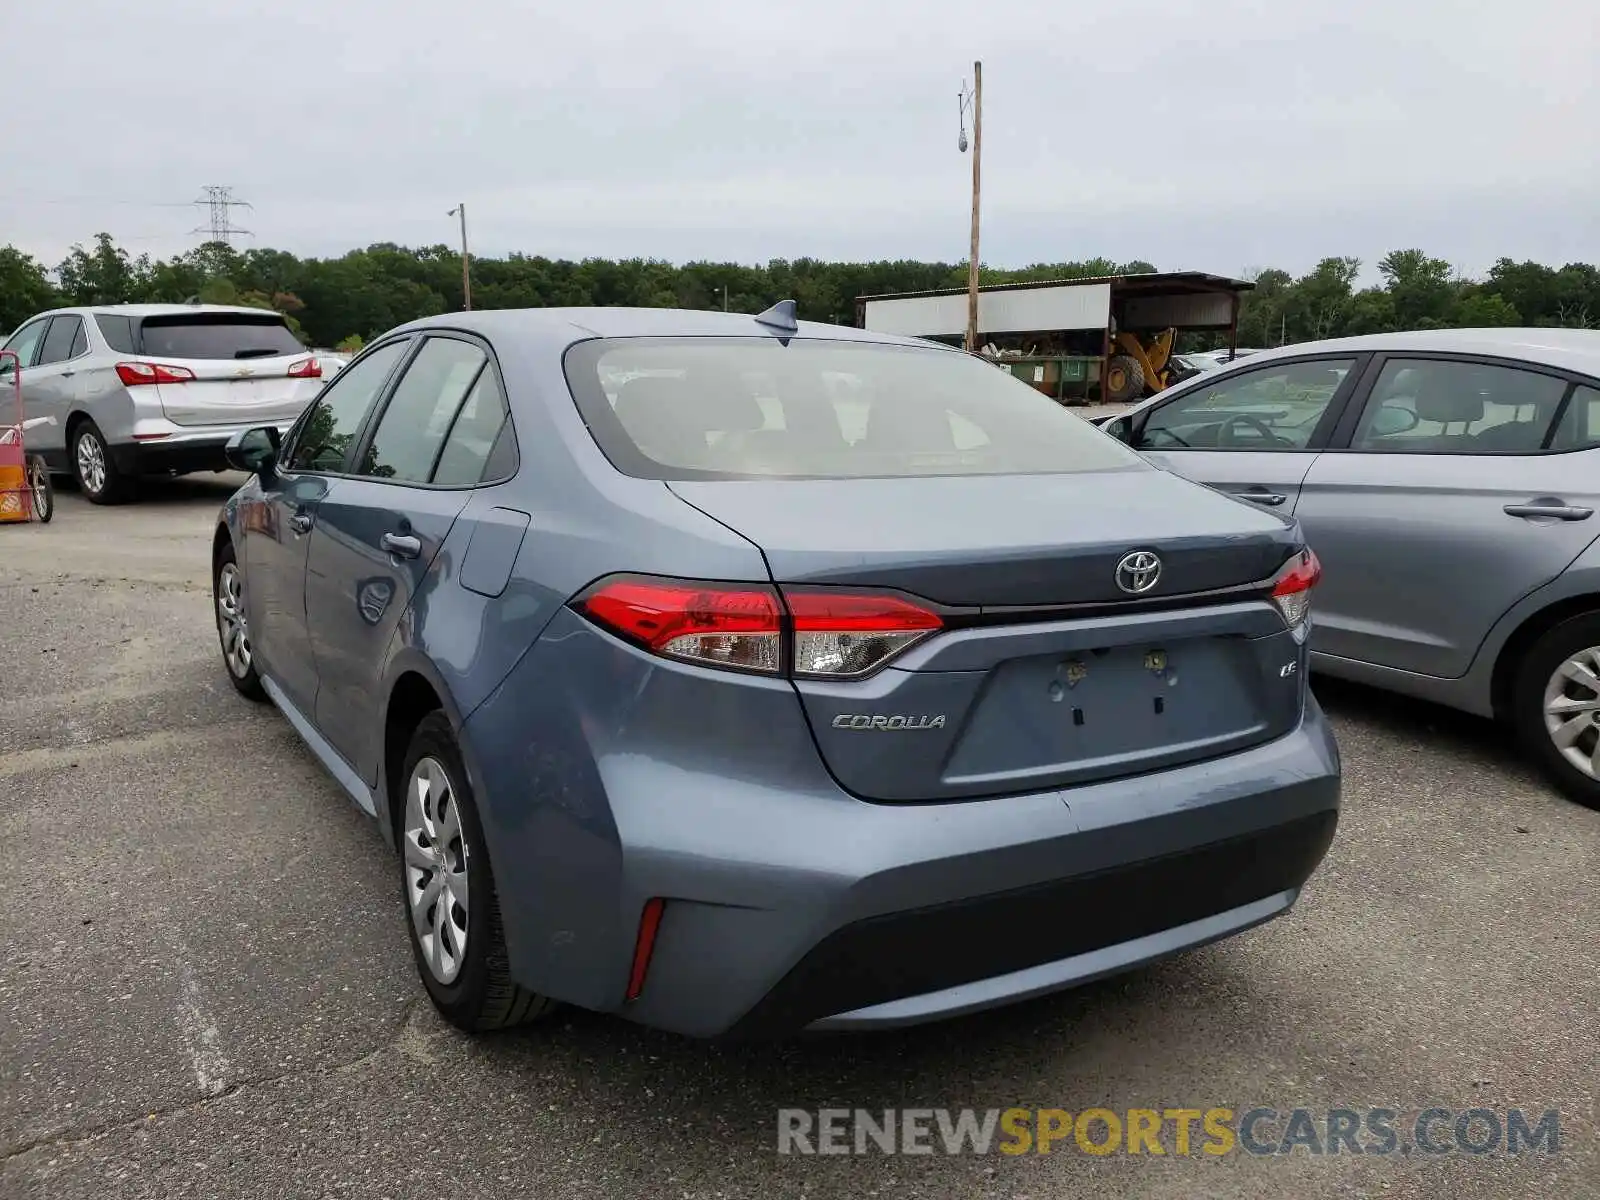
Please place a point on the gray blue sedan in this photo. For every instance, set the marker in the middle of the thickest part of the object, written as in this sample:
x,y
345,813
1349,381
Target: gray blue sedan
x,y
742,676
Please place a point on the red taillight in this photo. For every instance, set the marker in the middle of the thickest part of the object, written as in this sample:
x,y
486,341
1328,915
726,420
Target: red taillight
x,y
306,368
819,633
644,945
843,635
719,625
141,374
1291,590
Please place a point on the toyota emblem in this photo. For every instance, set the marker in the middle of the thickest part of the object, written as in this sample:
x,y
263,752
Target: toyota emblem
x,y
1138,572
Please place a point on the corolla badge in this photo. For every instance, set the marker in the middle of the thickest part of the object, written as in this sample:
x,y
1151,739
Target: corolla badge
x,y
896,722
1137,572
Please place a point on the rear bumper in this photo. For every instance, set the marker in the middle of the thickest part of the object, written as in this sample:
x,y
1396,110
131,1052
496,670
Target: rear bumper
x,y
791,904
178,450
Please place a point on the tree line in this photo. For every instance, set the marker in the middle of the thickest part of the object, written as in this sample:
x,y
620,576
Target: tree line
x,y
339,302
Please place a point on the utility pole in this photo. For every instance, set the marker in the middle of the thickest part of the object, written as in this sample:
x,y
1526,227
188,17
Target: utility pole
x,y
466,261
974,100
219,203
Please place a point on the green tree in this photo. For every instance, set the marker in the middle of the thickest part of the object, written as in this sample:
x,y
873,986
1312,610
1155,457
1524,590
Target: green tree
x,y
24,288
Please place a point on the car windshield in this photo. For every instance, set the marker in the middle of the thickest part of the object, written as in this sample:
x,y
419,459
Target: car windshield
x,y
759,408
217,336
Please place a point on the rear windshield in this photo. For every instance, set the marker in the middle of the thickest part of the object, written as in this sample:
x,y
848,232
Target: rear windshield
x,y
698,408
217,335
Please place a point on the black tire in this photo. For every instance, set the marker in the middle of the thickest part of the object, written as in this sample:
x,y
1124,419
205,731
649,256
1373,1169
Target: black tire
x,y
481,996
1539,664
1124,379
241,671
44,492
88,442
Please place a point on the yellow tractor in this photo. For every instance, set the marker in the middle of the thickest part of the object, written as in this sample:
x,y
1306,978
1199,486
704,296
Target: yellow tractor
x,y
1142,368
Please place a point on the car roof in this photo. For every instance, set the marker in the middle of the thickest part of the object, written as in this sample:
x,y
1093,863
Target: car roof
x,y
1572,349
564,326
156,310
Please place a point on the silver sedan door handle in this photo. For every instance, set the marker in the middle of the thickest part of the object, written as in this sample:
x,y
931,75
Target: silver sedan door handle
x,y
300,522
1549,512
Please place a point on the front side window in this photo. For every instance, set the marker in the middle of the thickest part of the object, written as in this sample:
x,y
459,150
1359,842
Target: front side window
x,y
717,408
1273,408
335,418
412,431
1436,406
24,342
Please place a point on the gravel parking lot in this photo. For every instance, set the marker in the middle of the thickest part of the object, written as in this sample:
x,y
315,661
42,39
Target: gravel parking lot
x,y
206,989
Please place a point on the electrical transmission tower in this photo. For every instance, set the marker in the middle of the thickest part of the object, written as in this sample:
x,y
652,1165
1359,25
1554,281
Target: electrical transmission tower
x,y
219,202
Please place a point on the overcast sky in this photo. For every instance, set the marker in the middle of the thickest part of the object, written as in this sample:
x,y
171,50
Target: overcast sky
x,y
1220,135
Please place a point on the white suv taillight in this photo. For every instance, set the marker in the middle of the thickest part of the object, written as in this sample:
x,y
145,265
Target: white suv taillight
x,y
142,374
814,633
1291,590
305,368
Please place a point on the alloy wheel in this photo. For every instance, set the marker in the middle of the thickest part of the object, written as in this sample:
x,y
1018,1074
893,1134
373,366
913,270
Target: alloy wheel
x,y
91,463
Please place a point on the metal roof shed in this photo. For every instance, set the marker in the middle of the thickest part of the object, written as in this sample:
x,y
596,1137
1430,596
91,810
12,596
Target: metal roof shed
x,y
1183,300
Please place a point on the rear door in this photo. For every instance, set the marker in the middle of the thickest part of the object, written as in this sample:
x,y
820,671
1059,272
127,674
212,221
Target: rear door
x,y
277,525
378,530
1456,488
1252,433
247,368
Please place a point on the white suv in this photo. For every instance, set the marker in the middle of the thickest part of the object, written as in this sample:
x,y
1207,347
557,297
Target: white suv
x,y
142,389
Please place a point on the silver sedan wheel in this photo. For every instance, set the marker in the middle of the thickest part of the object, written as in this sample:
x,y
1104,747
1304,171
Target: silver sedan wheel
x,y
92,463
231,621
1572,710
436,869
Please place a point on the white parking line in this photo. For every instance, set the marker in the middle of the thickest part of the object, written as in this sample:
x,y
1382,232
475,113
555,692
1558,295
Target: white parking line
x,y
200,1036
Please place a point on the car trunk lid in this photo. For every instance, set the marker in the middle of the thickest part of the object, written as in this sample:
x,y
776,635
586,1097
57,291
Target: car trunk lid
x,y
1047,673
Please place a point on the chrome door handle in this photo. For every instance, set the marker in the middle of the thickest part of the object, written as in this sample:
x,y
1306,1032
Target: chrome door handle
x,y
1557,512
300,522
401,545
1271,499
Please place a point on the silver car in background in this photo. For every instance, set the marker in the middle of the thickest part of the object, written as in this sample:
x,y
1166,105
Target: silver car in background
x,y
1448,481
142,389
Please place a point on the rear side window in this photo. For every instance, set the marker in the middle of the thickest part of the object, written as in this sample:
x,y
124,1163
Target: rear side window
x,y
470,451
117,331
412,431
1438,406
1580,426
717,408
226,336
58,343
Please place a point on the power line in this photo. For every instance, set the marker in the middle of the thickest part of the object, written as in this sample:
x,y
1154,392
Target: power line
x,y
219,201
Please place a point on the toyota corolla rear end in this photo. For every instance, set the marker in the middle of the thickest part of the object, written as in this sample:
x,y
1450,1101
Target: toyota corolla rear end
x,y
997,709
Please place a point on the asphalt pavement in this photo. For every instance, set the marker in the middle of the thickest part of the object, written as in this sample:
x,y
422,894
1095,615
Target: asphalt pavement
x,y
205,987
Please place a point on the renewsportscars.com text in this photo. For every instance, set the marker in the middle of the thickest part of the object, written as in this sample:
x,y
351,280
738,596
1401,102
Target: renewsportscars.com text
x,y
1175,1132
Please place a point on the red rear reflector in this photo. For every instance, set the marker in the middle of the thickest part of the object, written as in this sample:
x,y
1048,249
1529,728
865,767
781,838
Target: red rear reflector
x,y
724,626
306,368
644,946
1291,591
141,374
844,635
150,437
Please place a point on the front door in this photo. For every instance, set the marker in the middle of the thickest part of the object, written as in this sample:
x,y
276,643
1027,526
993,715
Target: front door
x,y
277,527
1251,433
1456,493
376,536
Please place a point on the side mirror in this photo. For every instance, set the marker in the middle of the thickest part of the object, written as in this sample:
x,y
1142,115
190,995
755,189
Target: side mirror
x,y
1120,428
254,451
